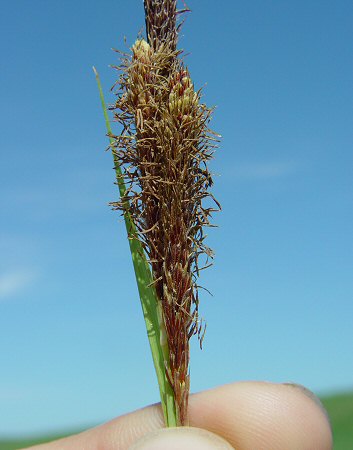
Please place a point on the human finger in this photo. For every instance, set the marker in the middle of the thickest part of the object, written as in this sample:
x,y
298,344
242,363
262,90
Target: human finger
x,y
187,438
249,415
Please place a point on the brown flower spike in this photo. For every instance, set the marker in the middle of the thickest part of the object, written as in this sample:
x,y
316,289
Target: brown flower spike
x,y
163,149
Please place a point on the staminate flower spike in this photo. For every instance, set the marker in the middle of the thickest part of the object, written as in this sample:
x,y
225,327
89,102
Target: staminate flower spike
x,y
161,158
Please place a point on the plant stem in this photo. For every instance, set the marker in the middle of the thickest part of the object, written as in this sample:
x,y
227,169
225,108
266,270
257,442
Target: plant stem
x,y
150,305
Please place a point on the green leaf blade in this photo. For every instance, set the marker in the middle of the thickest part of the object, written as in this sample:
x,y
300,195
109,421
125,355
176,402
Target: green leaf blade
x,y
149,301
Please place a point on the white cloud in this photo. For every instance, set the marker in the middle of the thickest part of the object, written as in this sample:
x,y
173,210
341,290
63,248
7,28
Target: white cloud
x,y
13,282
262,171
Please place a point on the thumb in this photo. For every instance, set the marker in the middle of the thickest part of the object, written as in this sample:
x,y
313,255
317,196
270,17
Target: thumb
x,y
186,438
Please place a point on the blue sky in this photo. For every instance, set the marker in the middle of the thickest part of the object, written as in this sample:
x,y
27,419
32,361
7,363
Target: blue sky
x,y
72,340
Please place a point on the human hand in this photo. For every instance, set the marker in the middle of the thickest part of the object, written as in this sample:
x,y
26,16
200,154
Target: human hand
x,y
243,416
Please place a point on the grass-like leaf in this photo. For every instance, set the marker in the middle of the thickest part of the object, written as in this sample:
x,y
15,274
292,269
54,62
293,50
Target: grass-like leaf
x,y
149,301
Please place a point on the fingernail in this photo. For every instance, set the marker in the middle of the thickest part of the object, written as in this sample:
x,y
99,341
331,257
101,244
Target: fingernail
x,y
186,438
311,395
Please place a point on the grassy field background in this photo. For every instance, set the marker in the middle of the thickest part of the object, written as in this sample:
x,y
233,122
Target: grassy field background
x,y
339,407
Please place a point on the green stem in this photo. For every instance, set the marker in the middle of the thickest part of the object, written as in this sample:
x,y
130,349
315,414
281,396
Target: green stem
x,y
150,305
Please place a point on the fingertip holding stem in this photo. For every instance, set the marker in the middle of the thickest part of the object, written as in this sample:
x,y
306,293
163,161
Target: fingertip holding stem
x,y
186,438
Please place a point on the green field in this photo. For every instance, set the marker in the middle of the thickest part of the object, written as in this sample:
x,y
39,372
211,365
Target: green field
x,y
16,444
339,407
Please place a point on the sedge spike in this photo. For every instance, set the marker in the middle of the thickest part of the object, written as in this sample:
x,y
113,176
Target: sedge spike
x,y
163,150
